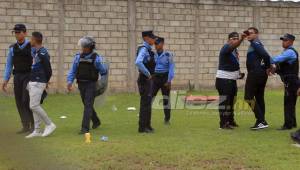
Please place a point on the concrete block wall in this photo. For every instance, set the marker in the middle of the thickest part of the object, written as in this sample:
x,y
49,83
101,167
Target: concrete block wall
x,y
195,30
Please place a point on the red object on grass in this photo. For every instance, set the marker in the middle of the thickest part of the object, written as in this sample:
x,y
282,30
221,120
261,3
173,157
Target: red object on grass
x,y
200,99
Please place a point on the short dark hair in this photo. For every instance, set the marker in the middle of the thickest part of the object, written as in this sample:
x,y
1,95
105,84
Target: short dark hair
x,y
254,29
38,36
158,40
233,35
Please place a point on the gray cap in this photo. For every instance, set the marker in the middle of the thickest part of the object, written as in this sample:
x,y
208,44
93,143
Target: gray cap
x,y
288,36
87,42
19,27
148,34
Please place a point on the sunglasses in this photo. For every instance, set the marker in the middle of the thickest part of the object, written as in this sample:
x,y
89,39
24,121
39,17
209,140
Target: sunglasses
x,y
234,38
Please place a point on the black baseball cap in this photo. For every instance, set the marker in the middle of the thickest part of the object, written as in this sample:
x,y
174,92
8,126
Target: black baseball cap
x,y
148,34
233,35
288,36
159,40
19,27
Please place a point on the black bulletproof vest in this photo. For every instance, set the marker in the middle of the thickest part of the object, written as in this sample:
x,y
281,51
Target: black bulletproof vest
x,y
86,69
150,65
285,68
22,59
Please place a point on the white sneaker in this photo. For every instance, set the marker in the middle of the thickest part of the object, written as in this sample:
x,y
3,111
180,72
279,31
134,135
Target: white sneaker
x,y
260,126
34,134
49,129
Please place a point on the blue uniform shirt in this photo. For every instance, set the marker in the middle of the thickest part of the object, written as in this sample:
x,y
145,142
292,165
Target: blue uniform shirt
x,y
98,64
9,61
287,55
165,64
142,58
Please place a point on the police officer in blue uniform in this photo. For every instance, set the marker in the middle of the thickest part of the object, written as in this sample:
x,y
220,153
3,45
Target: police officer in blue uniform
x,y
86,68
146,65
288,68
19,61
227,74
163,75
258,68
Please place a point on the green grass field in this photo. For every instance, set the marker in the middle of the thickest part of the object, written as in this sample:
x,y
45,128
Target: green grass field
x,y
192,141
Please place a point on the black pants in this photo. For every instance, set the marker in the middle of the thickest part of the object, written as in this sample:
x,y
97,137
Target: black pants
x,y
159,82
254,94
145,89
22,99
290,100
87,93
227,90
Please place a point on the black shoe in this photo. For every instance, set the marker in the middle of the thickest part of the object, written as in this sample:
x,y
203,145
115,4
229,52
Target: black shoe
x,y
96,125
284,128
233,124
148,130
24,130
145,130
295,136
151,129
260,125
226,126
82,132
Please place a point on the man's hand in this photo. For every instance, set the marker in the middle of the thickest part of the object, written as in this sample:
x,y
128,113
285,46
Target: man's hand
x,y
168,85
271,71
243,36
273,68
4,85
241,76
69,87
268,71
47,85
150,77
298,92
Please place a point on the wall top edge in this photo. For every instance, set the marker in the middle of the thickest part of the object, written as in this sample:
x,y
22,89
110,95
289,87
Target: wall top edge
x,y
257,3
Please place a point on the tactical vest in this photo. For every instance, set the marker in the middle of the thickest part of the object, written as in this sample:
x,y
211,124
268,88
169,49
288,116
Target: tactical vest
x,y
150,65
285,68
86,69
22,59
